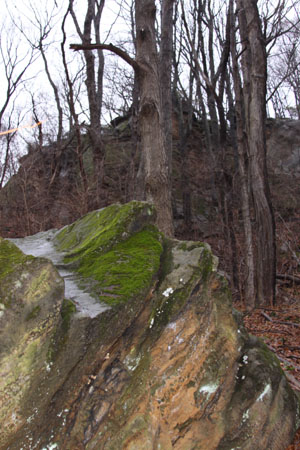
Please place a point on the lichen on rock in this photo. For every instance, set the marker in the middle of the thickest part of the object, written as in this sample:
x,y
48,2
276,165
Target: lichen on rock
x,y
31,293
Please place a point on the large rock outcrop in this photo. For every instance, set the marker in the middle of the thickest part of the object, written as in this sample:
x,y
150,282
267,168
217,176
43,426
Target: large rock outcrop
x,y
167,366
31,296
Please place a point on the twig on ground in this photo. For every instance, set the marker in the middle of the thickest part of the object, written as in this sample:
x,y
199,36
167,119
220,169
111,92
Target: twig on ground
x,y
288,277
279,321
290,347
284,360
265,315
294,383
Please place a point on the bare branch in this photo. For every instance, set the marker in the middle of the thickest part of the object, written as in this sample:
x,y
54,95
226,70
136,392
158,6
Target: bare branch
x,y
110,47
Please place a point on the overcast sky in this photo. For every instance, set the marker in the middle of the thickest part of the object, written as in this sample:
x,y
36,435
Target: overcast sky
x,y
113,28
21,12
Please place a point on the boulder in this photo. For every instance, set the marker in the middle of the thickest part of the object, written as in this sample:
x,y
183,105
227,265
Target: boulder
x,y
167,365
31,295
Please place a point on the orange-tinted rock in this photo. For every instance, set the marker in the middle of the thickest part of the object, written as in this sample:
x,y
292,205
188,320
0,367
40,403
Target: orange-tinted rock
x,y
172,370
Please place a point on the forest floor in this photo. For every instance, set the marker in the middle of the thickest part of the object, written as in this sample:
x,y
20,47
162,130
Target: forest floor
x,y
296,443
279,327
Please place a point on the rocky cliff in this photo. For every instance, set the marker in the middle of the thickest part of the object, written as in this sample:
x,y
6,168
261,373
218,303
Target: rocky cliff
x,y
284,146
47,191
164,364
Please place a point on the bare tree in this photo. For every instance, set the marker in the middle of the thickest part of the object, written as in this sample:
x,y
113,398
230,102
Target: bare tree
x,y
250,286
166,59
207,34
157,180
284,78
14,64
94,81
153,140
254,70
37,36
55,91
12,121
74,115
37,120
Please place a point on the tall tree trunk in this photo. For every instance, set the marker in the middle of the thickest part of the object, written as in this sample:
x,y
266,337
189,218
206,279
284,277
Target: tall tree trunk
x,y
96,122
250,285
153,140
254,67
74,116
166,57
235,257
133,180
157,182
94,84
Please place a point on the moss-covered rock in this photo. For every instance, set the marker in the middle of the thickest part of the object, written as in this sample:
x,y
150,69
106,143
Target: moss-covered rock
x,y
117,247
31,292
99,230
168,366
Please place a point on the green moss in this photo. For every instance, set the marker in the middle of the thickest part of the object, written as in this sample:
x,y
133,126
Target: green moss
x,y
206,264
30,357
135,388
92,231
188,246
166,263
197,266
10,257
60,335
67,309
12,262
117,247
99,230
127,269
33,313
39,285
268,357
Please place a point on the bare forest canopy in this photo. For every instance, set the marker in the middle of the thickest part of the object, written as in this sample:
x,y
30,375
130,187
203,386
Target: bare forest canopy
x,y
180,83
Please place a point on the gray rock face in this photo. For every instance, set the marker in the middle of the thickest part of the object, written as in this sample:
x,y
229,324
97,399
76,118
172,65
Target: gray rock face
x,y
284,147
169,365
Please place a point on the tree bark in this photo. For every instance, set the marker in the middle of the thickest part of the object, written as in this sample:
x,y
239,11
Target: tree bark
x,y
254,68
165,65
157,182
250,284
74,116
153,140
56,95
94,84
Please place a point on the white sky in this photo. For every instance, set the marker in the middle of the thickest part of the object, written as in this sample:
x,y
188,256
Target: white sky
x,y
38,82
